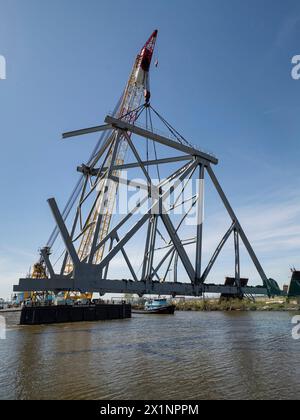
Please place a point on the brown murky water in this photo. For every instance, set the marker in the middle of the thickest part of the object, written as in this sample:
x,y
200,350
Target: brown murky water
x,y
186,356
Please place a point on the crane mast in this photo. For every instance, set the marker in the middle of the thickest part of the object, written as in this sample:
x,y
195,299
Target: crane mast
x,y
137,91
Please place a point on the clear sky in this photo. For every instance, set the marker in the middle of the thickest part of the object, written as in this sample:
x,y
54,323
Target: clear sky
x,y
224,80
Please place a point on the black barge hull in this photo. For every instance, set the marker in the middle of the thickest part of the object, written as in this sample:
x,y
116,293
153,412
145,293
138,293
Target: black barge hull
x,y
39,315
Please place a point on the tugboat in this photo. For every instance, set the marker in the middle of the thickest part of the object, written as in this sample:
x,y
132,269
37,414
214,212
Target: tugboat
x,y
158,307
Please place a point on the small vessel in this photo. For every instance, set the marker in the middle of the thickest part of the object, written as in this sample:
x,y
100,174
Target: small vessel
x,y
157,306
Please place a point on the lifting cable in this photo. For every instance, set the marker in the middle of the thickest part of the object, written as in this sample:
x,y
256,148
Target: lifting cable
x,y
75,193
172,130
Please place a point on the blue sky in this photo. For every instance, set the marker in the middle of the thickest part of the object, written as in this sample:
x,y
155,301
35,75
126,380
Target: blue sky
x,y
224,80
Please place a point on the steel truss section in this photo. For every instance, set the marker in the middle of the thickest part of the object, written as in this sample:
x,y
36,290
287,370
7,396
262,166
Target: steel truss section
x,y
88,274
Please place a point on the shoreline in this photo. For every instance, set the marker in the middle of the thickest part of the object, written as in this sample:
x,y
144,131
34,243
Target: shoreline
x,y
11,310
236,305
238,310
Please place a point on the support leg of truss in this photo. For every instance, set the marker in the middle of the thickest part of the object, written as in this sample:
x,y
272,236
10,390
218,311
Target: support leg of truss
x,y
237,259
200,218
64,232
238,226
217,253
47,261
178,246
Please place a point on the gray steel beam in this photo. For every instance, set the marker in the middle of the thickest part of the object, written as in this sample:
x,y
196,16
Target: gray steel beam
x,y
122,125
133,287
169,266
130,183
127,261
237,258
146,254
106,260
133,165
182,174
238,226
47,262
63,267
178,246
107,267
107,143
176,268
217,253
151,248
64,232
84,131
161,263
200,218
114,231
137,156
187,169
171,230
84,198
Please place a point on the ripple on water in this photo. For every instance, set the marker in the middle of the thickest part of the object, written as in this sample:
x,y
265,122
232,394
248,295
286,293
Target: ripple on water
x,y
189,356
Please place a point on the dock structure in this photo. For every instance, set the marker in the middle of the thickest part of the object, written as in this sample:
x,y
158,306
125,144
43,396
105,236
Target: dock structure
x,y
93,242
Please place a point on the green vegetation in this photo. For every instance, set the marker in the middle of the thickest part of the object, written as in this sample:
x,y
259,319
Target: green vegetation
x,y
237,305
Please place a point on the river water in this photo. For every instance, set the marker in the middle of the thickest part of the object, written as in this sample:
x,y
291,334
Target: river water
x,y
187,356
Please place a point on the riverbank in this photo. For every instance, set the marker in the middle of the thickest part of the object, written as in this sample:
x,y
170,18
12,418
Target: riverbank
x,y
214,305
